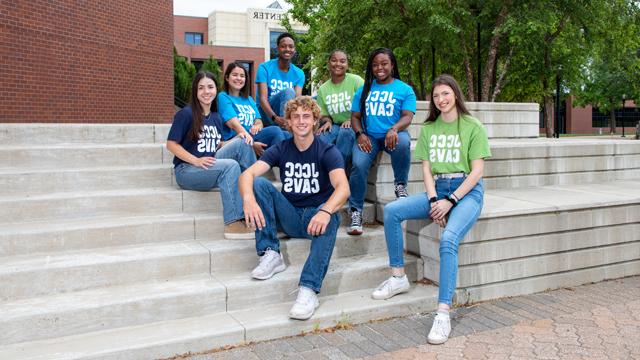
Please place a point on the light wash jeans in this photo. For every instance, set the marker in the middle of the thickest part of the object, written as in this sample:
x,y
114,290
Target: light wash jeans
x,y
361,163
270,135
279,213
278,102
344,138
231,159
461,219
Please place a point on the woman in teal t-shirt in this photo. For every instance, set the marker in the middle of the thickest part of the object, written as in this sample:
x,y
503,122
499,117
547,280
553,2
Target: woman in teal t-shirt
x,y
381,112
452,147
236,104
334,97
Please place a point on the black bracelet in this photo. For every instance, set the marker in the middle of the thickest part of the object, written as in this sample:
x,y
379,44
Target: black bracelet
x,y
323,210
432,199
452,200
358,133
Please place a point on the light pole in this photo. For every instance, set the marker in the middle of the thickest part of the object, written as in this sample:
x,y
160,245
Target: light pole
x,y
624,97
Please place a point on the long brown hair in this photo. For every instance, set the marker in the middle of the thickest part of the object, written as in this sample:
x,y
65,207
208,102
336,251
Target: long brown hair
x,y
196,109
244,92
446,79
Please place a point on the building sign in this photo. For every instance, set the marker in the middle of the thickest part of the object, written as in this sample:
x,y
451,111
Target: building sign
x,y
264,15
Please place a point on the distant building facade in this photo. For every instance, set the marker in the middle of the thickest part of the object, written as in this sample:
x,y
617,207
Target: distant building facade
x,y
248,37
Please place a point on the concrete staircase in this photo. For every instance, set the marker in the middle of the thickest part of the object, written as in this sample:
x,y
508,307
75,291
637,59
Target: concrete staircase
x,y
103,257
557,213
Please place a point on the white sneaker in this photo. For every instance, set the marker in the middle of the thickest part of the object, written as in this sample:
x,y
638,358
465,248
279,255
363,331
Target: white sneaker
x,y
391,287
440,330
271,263
305,305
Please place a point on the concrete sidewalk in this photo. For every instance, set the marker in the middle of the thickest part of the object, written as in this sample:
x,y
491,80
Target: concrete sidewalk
x,y
594,321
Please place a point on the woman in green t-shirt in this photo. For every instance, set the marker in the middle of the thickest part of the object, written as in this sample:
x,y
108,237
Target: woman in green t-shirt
x,y
452,147
334,97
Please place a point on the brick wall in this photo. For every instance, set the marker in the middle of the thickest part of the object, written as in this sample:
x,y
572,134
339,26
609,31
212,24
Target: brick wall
x,y
184,24
86,61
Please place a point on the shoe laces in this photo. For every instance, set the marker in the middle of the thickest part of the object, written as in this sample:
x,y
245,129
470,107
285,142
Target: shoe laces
x,y
269,257
356,218
305,296
401,190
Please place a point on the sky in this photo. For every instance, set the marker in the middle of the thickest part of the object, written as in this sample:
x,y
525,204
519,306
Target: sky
x,y
202,8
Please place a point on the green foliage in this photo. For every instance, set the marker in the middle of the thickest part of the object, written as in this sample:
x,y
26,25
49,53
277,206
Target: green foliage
x,y
183,74
528,42
211,65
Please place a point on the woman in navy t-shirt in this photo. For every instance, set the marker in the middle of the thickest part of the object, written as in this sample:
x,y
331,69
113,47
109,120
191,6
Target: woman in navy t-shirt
x,y
381,112
201,162
236,103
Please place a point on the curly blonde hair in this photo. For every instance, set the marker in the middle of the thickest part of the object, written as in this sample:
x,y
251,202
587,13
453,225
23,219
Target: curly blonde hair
x,y
306,102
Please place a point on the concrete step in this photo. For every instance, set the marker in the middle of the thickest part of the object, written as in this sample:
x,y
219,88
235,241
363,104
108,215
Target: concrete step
x,y
41,181
37,275
103,203
531,163
501,120
240,255
173,337
57,156
77,234
538,232
47,133
110,307
343,275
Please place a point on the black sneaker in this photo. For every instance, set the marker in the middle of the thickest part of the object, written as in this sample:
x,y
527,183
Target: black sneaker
x,y
401,191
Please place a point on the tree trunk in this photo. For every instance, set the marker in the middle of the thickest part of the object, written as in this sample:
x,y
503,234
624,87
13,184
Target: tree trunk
x,y
612,120
548,115
493,53
500,82
471,95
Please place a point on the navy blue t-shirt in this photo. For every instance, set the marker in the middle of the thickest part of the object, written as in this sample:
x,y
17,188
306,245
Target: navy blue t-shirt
x,y
210,136
305,175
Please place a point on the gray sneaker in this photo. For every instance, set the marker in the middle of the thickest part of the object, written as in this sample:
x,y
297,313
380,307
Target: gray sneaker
x,y
356,223
270,264
401,191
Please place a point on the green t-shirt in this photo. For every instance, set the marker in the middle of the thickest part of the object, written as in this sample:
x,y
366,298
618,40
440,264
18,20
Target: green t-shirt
x,y
450,147
335,99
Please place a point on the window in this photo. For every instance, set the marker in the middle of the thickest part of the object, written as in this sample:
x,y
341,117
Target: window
x,y
629,117
273,47
193,38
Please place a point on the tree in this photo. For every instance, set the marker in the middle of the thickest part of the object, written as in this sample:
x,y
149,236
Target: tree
x,y
613,70
183,74
211,65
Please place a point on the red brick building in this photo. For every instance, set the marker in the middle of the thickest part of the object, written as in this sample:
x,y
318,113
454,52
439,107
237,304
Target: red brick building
x,y
86,61
191,38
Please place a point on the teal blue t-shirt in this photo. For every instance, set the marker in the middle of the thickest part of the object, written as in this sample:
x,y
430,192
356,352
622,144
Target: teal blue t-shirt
x,y
276,79
384,106
239,107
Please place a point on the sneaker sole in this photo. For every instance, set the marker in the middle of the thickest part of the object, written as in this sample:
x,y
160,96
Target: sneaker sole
x,y
278,269
354,232
437,342
391,295
305,316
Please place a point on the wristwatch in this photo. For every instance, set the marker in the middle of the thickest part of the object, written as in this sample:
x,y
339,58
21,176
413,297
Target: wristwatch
x,y
273,117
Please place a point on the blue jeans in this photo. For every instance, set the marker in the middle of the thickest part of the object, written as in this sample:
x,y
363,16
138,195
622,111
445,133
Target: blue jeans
x,y
460,220
278,102
344,138
279,213
270,135
361,163
231,159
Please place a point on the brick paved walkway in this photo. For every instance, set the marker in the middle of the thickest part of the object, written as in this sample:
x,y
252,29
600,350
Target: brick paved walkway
x,y
595,321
